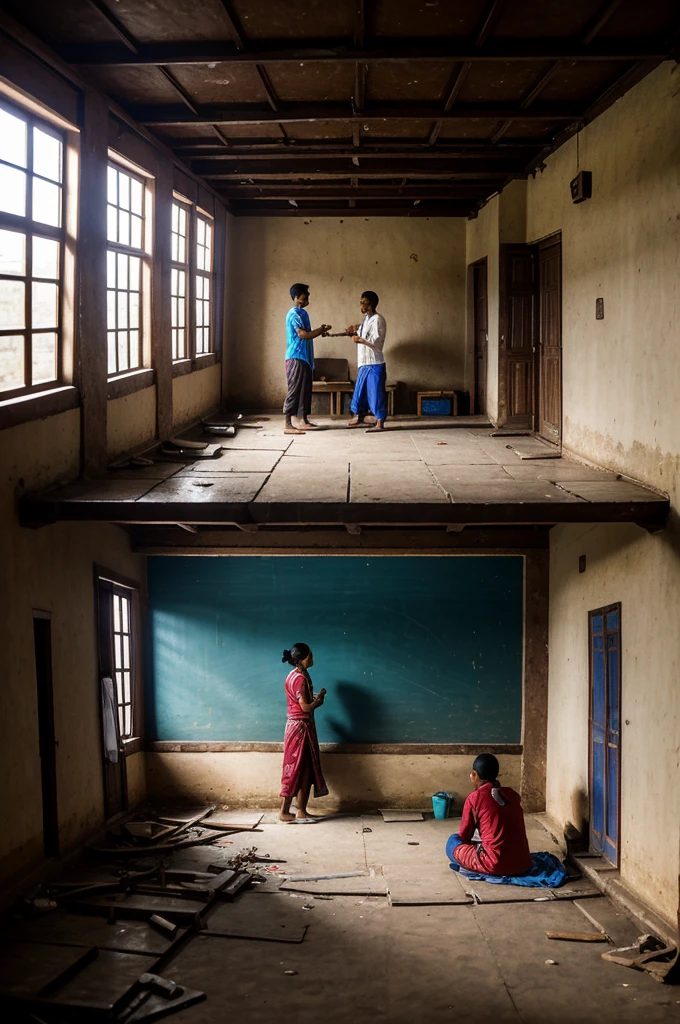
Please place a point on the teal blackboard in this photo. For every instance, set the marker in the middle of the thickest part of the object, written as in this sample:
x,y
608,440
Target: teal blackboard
x,y
410,649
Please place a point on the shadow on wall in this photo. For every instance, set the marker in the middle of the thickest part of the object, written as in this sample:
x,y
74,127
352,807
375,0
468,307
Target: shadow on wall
x,y
426,365
580,810
361,714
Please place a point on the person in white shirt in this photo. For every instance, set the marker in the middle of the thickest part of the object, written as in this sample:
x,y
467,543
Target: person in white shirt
x,y
369,392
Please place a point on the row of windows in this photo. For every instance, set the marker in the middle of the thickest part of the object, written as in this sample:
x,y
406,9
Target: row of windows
x,y
32,244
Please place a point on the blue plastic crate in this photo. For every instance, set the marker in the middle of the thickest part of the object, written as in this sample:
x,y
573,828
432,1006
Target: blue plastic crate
x,y
436,407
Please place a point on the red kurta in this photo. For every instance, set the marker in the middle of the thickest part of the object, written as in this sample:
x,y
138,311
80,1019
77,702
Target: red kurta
x,y
504,849
300,742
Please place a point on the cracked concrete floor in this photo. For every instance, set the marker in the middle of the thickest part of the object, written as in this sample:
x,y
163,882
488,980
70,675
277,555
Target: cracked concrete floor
x,y
365,960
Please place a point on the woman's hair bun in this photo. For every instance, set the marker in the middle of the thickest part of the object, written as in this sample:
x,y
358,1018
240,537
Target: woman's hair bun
x,y
287,657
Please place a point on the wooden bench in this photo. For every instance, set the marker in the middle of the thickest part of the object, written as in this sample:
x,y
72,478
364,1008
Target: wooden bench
x,y
331,377
438,394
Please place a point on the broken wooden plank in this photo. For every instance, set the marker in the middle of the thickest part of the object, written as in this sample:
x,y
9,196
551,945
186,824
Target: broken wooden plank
x,y
577,936
139,905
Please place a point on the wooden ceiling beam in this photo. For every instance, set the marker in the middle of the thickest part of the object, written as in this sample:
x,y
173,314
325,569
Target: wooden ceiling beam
x,y
600,20
384,50
250,176
489,21
179,89
158,115
454,191
112,21
292,155
439,208
359,92
233,23
322,148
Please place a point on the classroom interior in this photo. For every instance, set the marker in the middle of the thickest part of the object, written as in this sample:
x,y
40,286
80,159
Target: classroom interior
x,y
499,570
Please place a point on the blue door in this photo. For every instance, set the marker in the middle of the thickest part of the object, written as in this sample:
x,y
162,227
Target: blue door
x,y
605,730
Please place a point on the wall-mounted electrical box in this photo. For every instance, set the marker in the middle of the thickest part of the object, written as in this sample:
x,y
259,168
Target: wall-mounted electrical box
x,y
581,186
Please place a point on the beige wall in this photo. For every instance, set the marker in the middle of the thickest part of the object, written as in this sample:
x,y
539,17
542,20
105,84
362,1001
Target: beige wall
x,y
620,378
131,421
364,780
195,394
50,569
482,240
416,266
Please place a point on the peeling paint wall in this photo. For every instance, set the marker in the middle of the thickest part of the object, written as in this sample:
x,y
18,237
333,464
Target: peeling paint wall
x,y
367,780
482,239
416,266
195,394
50,569
620,381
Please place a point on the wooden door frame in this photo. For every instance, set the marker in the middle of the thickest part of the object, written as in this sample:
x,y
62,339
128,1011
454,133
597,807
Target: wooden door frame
x,y
545,243
131,746
606,610
503,372
471,326
47,744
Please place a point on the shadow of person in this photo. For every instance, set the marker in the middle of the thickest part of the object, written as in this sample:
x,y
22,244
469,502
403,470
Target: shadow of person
x,y
360,722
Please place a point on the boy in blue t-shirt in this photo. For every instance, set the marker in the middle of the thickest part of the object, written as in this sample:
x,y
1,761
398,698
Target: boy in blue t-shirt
x,y
300,361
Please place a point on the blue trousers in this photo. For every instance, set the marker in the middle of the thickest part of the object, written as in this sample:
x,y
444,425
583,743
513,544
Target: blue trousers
x,y
369,392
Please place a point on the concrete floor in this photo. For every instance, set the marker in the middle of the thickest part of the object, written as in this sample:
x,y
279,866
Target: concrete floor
x,y
364,959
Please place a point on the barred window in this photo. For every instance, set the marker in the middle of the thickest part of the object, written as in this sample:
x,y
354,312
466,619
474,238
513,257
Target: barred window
x,y
126,231
203,285
32,171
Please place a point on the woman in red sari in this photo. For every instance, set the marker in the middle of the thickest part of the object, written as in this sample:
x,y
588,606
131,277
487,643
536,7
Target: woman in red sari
x,y
301,758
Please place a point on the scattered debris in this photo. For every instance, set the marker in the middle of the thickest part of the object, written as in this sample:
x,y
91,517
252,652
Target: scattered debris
x,y
648,953
307,906
578,936
290,972
412,843
552,963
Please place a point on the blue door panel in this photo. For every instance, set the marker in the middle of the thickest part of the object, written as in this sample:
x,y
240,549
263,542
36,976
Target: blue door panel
x,y
605,724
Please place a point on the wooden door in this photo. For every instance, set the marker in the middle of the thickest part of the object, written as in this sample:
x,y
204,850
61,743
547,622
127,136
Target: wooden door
x,y
605,730
518,302
481,329
550,340
42,639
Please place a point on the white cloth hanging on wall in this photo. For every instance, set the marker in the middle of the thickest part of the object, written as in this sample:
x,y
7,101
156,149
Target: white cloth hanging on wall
x,y
111,735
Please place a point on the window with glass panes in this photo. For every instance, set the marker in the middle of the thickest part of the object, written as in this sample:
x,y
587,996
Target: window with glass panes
x,y
125,234
122,660
203,284
179,273
31,251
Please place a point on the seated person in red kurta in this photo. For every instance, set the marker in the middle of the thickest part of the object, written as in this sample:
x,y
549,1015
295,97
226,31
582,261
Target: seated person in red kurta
x,y
495,812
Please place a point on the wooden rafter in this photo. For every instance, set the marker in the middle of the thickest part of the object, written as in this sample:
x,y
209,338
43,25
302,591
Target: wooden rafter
x,y
489,21
113,22
427,50
209,114
600,20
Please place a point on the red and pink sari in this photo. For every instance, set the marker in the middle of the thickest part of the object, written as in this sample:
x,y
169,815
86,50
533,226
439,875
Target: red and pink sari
x,y
300,743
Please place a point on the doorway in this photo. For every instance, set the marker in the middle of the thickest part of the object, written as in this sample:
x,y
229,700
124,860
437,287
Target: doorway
x,y
530,351
549,376
42,641
604,641
481,333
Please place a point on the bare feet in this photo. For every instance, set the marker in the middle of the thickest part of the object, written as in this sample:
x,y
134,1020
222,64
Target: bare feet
x,y
292,430
370,421
309,426
378,428
286,818
356,422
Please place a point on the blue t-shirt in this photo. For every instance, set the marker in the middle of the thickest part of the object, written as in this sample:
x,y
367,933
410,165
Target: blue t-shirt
x,y
296,347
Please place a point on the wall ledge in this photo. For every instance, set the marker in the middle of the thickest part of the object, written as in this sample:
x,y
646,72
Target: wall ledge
x,y
237,746
37,406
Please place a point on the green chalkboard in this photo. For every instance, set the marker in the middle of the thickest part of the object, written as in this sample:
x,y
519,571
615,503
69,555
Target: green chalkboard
x,y
410,649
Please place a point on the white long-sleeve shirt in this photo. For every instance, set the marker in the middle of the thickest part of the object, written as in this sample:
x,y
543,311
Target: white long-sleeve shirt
x,y
373,328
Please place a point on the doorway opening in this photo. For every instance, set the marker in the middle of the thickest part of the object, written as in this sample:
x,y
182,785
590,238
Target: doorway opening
x,y
604,642
530,365
480,313
42,640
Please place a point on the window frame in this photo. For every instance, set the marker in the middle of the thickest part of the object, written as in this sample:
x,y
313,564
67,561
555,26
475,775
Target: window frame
x,y
30,229
184,267
112,584
194,360
122,165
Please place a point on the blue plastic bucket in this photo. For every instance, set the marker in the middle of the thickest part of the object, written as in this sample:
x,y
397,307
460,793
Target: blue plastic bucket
x,y
441,803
